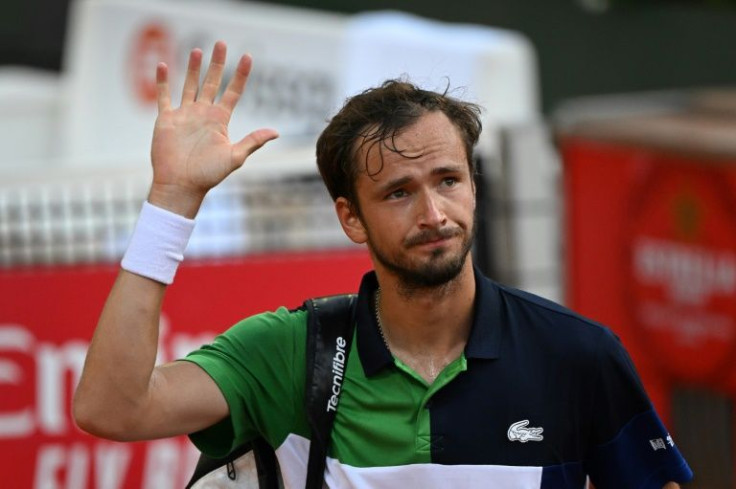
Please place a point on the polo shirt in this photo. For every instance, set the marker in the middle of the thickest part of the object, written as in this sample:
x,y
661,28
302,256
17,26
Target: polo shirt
x,y
540,398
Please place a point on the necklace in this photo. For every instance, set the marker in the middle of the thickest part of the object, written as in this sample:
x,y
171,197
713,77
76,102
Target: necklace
x,y
430,371
378,317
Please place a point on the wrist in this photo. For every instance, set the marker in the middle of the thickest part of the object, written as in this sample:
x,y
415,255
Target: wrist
x,y
174,198
158,243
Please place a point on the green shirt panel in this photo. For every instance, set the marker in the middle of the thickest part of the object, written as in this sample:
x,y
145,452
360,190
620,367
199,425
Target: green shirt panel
x,y
384,420
380,419
259,366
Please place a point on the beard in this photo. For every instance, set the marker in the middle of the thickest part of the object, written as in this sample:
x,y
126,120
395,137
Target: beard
x,y
442,267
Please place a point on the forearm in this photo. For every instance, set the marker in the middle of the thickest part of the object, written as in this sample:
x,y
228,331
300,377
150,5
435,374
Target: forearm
x,y
121,395
117,373
117,379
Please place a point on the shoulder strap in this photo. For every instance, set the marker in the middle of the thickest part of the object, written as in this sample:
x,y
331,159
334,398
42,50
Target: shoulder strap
x,y
329,336
330,327
262,464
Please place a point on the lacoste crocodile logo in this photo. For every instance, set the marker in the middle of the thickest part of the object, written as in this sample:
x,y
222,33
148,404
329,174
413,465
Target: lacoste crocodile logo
x,y
519,432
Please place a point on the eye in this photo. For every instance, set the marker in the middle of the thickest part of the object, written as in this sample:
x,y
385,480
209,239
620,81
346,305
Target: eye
x,y
449,181
397,194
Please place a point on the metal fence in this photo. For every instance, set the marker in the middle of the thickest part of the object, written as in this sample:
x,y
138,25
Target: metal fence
x,y
74,217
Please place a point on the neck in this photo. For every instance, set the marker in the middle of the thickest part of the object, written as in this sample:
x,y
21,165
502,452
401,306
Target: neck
x,y
432,323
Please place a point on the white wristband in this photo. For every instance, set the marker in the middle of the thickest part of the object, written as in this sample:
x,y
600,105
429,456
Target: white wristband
x,y
158,243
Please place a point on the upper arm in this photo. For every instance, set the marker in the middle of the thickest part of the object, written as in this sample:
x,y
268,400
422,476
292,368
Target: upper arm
x,y
258,367
187,397
182,399
629,442
248,376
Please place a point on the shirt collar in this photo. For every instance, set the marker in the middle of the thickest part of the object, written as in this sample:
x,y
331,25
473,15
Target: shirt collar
x,y
485,335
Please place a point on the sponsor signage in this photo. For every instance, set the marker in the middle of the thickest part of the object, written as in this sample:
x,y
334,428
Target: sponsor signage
x,y
682,271
47,316
114,46
651,252
305,64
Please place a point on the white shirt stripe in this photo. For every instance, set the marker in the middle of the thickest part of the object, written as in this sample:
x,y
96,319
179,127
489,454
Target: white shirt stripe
x,y
293,454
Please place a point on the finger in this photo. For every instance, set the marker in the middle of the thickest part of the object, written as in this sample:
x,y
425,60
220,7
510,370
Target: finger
x,y
250,143
237,83
212,79
191,82
163,97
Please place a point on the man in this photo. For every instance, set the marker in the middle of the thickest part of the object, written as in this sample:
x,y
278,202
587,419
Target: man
x,y
452,380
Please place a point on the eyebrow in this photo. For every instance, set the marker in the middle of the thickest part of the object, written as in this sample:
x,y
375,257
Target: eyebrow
x,y
401,181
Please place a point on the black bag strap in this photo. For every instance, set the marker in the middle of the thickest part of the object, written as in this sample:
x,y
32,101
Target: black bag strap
x,y
330,326
329,336
206,464
263,454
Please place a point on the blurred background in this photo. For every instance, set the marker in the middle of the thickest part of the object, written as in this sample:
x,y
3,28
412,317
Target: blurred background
x,y
607,183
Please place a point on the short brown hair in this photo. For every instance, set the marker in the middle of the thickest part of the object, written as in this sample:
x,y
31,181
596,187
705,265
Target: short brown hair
x,y
377,115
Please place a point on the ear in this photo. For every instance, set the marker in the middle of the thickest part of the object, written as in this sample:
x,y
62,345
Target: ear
x,y
351,224
475,192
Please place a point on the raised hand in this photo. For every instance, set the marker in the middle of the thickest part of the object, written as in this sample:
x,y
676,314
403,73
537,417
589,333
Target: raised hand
x,y
191,151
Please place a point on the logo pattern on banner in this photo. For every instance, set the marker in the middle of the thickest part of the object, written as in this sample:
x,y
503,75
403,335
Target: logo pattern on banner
x,y
153,43
44,334
683,271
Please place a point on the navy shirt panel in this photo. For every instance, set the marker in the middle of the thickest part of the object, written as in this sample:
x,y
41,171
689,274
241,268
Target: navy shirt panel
x,y
551,367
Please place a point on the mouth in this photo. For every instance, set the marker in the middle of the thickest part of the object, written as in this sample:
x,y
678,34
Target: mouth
x,y
432,238
435,245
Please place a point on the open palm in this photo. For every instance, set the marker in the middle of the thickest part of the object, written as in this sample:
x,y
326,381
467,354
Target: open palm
x,y
191,151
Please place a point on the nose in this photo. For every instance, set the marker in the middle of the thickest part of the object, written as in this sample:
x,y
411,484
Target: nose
x,y
430,213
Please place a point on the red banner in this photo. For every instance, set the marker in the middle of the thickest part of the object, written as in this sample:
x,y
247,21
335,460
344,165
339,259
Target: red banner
x,y
682,271
651,251
47,316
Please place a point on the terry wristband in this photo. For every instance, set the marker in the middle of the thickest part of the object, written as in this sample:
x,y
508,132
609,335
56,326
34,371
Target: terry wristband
x,y
158,243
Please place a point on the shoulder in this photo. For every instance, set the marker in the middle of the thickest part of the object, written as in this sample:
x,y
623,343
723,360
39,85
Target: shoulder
x,y
566,340
268,336
547,313
276,324
555,328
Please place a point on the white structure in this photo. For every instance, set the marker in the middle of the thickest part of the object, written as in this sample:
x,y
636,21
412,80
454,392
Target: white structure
x,y
99,114
114,46
30,111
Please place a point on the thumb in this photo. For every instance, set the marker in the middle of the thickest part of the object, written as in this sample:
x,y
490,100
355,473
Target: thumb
x,y
250,143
